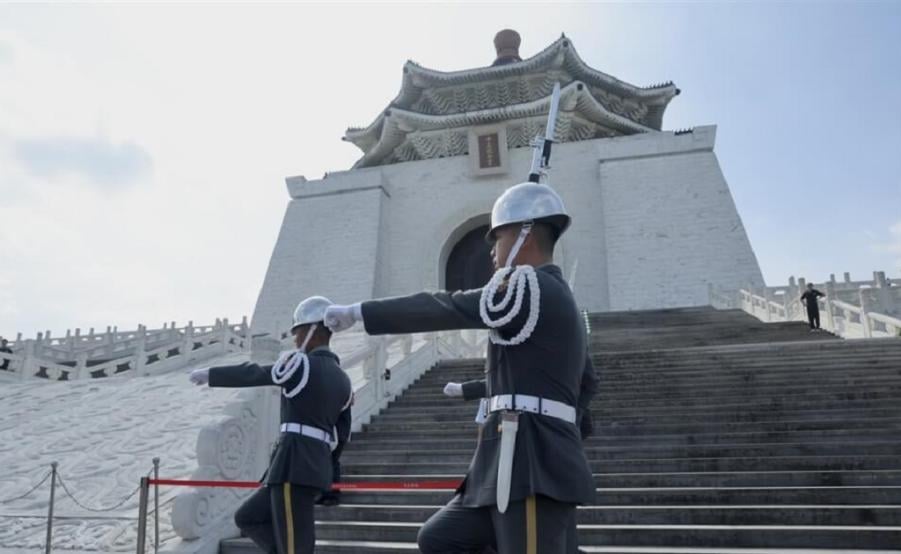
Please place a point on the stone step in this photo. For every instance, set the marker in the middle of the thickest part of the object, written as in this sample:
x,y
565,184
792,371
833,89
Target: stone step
x,y
625,514
846,462
606,427
721,376
750,411
647,425
784,351
377,453
244,546
432,396
771,536
710,479
632,341
755,408
761,354
672,496
712,373
466,440
851,366
685,360
603,399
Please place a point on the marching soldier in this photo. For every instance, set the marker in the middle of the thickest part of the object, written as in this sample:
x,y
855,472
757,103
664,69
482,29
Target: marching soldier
x,y
529,470
278,517
477,390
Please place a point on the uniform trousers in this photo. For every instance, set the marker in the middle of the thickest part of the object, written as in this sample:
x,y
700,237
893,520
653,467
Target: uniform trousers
x,y
279,518
813,318
537,525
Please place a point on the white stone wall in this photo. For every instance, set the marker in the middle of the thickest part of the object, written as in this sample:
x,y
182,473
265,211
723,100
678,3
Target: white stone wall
x,y
671,224
654,222
328,245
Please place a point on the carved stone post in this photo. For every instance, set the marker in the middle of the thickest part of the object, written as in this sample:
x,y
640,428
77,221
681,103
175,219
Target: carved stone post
x,y
226,335
245,331
381,364
81,365
886,298
830,315
864,310
28,361
140,356
187,348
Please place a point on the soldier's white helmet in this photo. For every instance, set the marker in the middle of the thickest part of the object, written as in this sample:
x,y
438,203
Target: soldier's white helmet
x,y
529,202
310,310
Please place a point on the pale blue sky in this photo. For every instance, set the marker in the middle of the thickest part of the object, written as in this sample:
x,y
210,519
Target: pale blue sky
x,y
143,148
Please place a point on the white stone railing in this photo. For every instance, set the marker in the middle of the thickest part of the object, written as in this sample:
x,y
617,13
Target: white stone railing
x,y
139,353
112,343
238,448
837,316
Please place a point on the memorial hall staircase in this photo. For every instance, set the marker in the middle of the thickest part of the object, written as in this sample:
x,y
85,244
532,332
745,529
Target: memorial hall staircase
x,y
715,433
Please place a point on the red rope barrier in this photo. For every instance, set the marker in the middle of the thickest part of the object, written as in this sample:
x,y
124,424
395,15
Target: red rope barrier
x,y
360,485
189,483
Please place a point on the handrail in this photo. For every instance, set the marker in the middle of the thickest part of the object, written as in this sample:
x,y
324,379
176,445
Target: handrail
x,y
837,313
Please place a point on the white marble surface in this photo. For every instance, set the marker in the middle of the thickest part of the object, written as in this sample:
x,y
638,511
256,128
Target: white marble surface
x,y
104,433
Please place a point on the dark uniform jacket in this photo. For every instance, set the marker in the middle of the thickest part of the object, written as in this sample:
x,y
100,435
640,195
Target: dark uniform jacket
x,y
549,459
299,459
810,300
478,388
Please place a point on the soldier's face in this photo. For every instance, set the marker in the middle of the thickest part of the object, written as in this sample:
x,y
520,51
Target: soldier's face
x,y
506,238
300,334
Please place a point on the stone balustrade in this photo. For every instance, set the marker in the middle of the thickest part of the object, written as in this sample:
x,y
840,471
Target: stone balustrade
x,y
850,309
140,352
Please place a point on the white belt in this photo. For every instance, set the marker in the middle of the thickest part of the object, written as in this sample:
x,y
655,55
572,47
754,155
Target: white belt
x,y
307,431
532,404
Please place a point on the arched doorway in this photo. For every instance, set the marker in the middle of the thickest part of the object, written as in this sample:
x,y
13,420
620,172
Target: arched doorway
x,y
469,264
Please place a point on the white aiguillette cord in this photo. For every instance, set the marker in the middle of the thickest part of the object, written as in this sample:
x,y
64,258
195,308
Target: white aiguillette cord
x,y
516,279
288,363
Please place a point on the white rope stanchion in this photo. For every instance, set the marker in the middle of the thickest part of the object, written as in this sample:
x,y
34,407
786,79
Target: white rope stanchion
x,y
288,364
516,280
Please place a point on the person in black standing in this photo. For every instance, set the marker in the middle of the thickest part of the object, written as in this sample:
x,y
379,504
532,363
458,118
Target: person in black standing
x,y
809,298
4,348
278,517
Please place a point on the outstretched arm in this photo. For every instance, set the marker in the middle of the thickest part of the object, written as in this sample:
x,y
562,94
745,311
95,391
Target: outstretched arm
x,y
247,374
435,311
474,390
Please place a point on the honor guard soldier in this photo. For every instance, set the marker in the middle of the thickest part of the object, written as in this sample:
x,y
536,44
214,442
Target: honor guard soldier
x,y
529,470
478,390
278,517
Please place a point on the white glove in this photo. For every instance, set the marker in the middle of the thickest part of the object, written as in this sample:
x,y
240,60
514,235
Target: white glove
x,y
200,376
341,318
453,390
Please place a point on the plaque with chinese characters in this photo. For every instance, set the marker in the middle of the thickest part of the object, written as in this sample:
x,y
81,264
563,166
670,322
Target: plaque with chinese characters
x,y
489,151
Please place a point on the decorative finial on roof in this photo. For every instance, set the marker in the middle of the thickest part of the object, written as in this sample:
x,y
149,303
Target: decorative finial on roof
x,y
506,43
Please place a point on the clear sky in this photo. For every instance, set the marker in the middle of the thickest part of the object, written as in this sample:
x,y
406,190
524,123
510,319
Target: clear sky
x,y
143,148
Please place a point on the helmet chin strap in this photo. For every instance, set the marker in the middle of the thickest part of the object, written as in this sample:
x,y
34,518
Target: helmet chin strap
x,y
290,361
516,280
520,240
